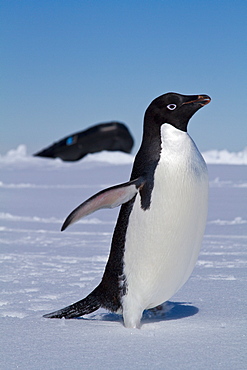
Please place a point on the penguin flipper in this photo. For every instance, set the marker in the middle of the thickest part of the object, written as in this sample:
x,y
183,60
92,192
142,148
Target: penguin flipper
x,y
83,307
109,198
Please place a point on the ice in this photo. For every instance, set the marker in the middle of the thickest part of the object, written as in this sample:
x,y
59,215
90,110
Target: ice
x,y
42,269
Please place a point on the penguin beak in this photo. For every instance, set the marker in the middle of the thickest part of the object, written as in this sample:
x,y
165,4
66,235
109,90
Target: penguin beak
x,y
200,99
203,99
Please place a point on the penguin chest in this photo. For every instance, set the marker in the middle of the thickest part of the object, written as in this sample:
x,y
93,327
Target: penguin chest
x,y
163,242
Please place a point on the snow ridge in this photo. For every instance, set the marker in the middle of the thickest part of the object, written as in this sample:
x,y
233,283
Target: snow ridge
x,y
20,157
225,157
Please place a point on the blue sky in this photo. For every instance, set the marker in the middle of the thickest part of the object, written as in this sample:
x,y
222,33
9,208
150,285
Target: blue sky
x,y
66,65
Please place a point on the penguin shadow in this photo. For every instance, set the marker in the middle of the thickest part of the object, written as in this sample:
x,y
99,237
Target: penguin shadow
x,y
169,311
165,312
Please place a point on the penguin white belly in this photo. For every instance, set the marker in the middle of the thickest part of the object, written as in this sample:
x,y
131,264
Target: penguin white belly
x,y
163,242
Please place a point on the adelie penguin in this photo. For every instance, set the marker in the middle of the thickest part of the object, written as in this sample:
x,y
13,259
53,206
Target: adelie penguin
x,y
161,223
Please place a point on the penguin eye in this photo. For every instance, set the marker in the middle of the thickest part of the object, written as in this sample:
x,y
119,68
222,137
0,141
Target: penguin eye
x,y
171,106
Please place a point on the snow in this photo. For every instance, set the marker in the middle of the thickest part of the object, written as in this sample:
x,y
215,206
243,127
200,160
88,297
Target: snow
x,y
42,269
211,157
225,157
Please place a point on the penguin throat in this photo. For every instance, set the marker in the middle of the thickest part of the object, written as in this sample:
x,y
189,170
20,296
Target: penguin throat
x,y
171,136
178,126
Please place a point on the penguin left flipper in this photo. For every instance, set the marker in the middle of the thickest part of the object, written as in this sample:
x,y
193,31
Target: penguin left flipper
x,y
109,198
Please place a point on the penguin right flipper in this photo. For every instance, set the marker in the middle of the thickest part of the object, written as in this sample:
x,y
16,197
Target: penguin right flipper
x,y
108,198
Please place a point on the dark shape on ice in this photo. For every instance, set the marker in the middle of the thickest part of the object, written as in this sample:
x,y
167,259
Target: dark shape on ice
x,y
110,136
96,299
87,305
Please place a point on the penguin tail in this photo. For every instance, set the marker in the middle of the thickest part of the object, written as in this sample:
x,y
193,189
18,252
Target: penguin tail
x,y
87,305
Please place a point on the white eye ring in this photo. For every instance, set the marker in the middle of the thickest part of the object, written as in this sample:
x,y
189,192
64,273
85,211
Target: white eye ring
x,y
171,106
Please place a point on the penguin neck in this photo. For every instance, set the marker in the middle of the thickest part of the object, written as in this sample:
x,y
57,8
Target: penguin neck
x,y
151,140
173,140
171,134
178,147
148,154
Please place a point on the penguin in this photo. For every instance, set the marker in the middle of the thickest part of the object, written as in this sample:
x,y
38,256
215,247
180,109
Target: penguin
x,y
161,222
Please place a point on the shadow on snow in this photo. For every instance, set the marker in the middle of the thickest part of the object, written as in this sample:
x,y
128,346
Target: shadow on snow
x,y
166,311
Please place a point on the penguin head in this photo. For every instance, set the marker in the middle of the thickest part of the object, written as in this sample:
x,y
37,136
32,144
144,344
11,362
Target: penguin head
x,y
175,109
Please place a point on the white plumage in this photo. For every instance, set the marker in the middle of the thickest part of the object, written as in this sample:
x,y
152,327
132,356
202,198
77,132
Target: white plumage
x,y
163,242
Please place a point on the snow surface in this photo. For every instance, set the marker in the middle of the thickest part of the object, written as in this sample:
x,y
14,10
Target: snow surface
x,y
42,269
